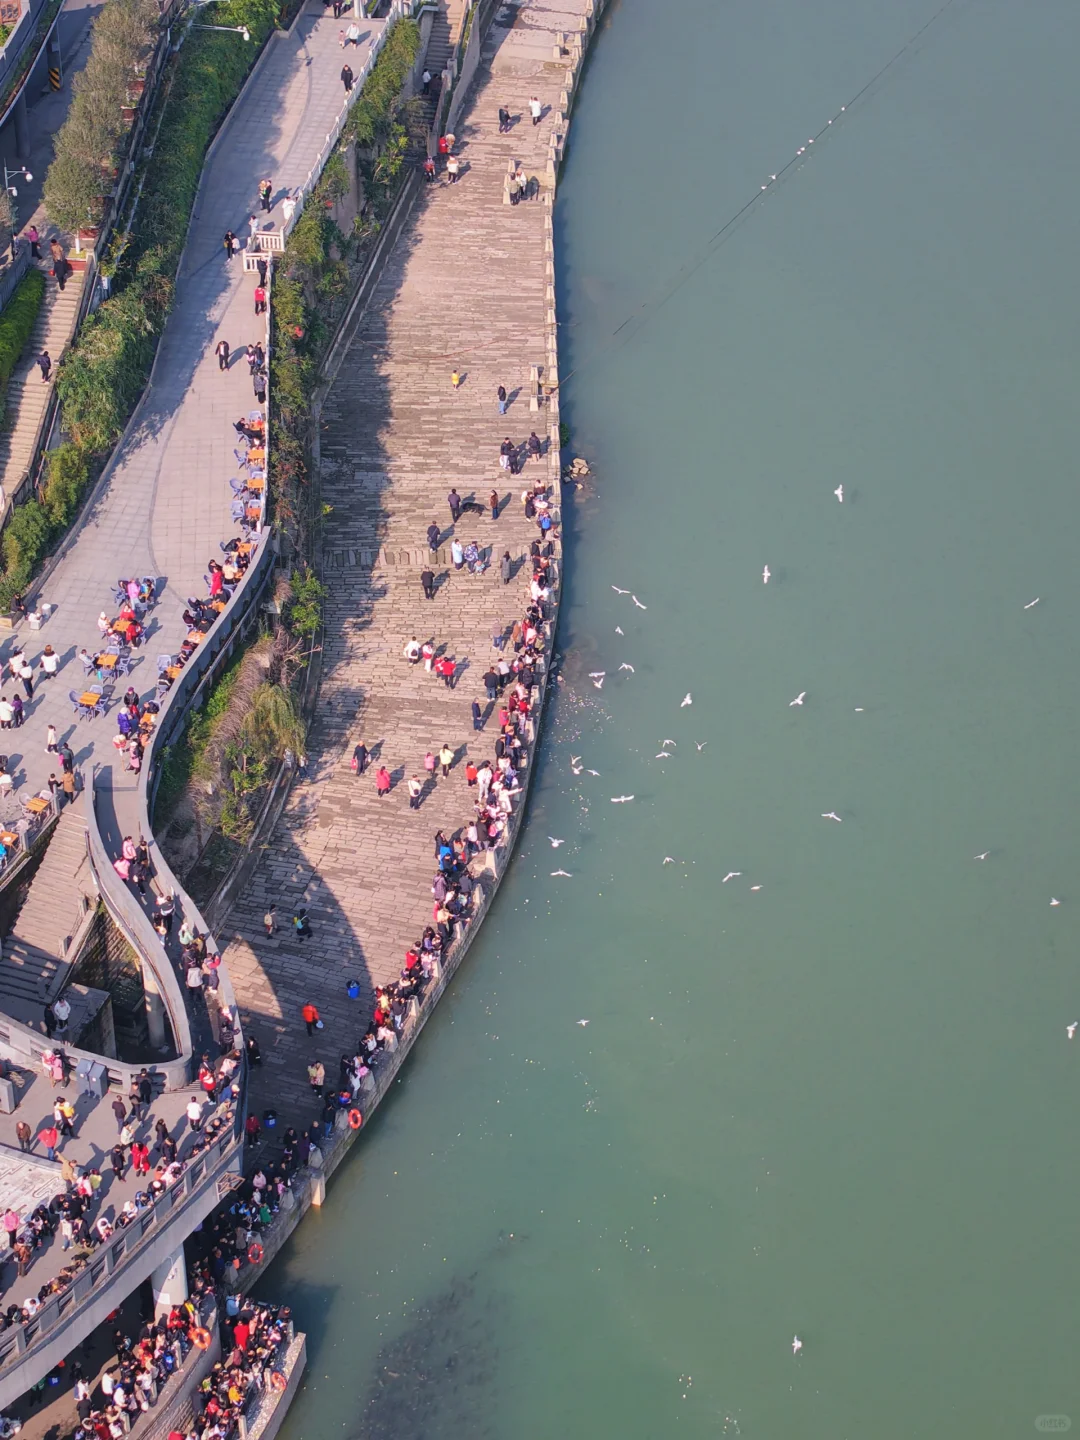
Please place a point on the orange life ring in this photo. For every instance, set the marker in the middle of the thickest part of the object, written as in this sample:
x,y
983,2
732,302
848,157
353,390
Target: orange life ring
x,y
255,1252
355,1119
201,1338
278,1381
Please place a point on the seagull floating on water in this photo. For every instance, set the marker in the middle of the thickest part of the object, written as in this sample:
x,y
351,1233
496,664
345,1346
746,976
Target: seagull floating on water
x,y
620,592
839,493
622,800
638,603
765,574
798,699
832,815
555,843
1054,902
1032,603
1070,1030
755,887
731,875
687,699
562,872
796,1345
624,666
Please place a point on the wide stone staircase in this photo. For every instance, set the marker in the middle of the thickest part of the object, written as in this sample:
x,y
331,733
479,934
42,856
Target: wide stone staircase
x,y
33,967
27,394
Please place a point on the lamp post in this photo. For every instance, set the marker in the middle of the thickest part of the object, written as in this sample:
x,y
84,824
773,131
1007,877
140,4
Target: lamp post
x,y
238,29
11,190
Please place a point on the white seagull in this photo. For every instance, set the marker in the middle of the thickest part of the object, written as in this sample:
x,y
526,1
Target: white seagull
x,y
701,745
622,799
575,759
796,1345
620,592
984,856
594,772
582,1022
562,872
1054,902
555,843
798,699
624,666
618,630
665,743
755,887
687,699
576,769
638,603
599,684
765,574
839,493
731,875
597,674
1070,1030
669,859
1032,603
832,815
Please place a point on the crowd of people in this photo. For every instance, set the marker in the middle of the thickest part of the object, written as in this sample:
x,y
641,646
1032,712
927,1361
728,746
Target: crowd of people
x,y
254,1341
77,1216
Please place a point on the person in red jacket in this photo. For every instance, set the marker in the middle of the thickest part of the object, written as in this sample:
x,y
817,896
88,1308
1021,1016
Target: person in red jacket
x,y
311,1017
382,781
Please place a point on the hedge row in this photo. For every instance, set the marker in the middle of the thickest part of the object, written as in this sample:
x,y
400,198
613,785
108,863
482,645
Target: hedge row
x,y
17,321
106,369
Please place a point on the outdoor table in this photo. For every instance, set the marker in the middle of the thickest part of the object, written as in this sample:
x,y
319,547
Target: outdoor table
x,y
256,483
256,456
37,806
90,699
245,547
253,512
147,722
195,637
9,838
107,662
173,671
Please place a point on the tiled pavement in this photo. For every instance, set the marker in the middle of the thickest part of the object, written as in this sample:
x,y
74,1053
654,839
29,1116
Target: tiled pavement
x,y
465,289
166,504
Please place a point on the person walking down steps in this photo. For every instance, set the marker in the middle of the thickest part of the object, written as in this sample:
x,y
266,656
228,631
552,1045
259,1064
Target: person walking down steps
x,y
347,78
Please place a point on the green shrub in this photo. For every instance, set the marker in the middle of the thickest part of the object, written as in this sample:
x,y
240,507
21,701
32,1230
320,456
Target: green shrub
x,y
17,321
67,476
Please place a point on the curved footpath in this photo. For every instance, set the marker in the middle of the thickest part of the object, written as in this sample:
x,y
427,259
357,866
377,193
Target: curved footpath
x,y
165,502
466,288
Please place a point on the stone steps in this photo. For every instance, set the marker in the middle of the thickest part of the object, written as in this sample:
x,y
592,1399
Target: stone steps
x,y
33,967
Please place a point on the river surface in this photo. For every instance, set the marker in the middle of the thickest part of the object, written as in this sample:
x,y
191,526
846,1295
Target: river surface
x,y
837,1105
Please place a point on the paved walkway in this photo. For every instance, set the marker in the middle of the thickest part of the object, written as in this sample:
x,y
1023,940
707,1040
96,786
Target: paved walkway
x,y
166,505
464,288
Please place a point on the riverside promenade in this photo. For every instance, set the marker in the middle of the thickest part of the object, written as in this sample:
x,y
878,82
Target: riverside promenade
x,y
464,288
164,504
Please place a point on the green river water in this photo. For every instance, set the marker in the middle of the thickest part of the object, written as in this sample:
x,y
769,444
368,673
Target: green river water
x,y
837,1106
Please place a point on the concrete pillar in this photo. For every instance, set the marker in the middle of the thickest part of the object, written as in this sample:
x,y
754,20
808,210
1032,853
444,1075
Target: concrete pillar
x,y
22,128
170,1283
318,1188
155,1009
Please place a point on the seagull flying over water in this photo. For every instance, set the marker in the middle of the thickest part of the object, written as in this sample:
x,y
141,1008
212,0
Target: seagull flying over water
x,y
597,674
796,1345
622,799
618,630
620,592
700,745
582,1022
984,856
1032,603
555,843
798,699
599,684
624,666
687,699
664,744
663,755
731,875
669,860
638,603
594,772
1070,1030
1054,902
562,872
576,769
832,815
839,493
575,759
765,574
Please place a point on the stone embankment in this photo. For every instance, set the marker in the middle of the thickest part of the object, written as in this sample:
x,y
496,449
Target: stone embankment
x,y
469,288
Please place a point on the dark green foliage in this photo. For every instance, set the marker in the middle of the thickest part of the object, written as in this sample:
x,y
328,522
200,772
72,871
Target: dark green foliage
x,y
17,322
